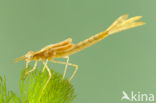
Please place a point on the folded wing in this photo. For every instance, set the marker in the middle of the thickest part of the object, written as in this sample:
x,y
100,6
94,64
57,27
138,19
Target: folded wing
x,y
52,49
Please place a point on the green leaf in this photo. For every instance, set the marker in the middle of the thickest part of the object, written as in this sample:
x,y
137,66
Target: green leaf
x,y
7,96
58,90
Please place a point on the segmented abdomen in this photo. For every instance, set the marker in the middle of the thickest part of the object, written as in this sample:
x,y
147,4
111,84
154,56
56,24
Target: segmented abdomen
x,y
84,44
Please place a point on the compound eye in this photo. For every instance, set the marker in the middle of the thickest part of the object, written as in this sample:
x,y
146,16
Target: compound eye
x,y
30,56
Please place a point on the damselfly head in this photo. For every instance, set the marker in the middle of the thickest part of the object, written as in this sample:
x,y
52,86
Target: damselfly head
x,y
28,56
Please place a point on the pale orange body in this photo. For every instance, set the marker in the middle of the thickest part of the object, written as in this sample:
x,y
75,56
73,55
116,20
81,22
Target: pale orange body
x,y
66,48
52,51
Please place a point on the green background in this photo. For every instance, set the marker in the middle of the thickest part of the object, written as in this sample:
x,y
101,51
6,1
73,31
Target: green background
x,y
125,61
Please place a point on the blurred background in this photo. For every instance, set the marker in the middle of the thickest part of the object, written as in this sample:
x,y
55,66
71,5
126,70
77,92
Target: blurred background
x,y
125,61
